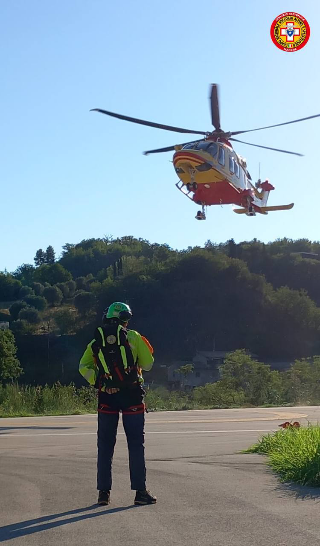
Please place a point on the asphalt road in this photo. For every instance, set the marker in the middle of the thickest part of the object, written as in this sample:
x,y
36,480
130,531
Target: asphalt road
x,y
208,492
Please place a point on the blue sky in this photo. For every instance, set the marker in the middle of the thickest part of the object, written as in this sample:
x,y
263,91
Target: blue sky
x,y
68,174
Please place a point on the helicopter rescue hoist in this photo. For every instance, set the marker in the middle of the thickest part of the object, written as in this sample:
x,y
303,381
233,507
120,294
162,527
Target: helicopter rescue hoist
x,y
210,171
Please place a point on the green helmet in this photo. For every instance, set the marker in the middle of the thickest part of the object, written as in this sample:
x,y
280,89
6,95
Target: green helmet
x,y
120,311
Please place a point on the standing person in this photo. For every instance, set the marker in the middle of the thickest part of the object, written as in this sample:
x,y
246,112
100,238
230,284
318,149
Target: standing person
x,y
113,363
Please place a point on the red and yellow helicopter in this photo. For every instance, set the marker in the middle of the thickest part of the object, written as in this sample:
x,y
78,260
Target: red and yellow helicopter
x,y
209,169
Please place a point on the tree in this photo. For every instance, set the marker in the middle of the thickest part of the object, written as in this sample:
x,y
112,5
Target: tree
x,y
293,324
30,314
72,288
65,320
50,255
218,395
241,372
37,288
16,308
22,327
24,273
63,286
302,381
40,257
9,287
25,291
38,302
85,302
53,295
185,370
9,364
52,273
81,283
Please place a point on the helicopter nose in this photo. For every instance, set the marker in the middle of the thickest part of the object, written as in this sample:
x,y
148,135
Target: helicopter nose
x,y
187,159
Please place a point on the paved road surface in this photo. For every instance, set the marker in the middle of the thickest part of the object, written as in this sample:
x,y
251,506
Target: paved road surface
x,y
208,493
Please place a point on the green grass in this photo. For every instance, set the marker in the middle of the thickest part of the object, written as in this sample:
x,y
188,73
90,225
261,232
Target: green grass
x,y
294,454
23,401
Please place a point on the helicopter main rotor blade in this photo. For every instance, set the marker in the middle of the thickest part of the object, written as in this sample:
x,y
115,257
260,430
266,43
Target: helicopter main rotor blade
x,y
169,148
214,102
149,123
266,147
277,125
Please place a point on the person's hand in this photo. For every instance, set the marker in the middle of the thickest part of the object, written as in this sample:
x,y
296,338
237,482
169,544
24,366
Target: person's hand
x,y
113,390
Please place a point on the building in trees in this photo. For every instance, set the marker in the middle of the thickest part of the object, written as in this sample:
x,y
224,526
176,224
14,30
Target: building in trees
x,y
205,370
4,325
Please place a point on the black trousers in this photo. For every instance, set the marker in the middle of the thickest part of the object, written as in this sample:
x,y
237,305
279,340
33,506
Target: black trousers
x,y
133,418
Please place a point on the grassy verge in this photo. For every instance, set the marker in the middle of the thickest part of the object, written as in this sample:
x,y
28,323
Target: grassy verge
x,y
22,401
294,454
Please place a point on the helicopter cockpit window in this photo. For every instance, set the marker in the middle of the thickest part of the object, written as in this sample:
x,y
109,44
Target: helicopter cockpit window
x,y
212,149
237,169
231,164
189,146
202,145
221,155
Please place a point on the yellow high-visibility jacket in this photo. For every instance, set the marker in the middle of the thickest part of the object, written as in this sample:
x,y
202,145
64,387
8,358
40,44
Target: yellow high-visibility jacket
x,y
142,355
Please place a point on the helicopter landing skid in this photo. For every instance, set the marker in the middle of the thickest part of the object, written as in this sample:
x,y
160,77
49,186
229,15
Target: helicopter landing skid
x,y
183,188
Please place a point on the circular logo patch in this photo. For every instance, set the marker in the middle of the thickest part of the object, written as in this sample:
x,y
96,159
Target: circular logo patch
x,y
111,340
290,31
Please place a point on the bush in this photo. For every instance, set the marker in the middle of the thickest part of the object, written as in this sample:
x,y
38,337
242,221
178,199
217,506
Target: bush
x,y
30,315
72,288
85,302
52,273
38,302
241,373
37,288
22,327
218,395
65,320
64,289
25,291
16,308
9,364
81,283
9,287
53,295
163,399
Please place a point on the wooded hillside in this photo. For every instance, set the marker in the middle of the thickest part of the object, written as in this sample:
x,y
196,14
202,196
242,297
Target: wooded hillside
x,y
261,297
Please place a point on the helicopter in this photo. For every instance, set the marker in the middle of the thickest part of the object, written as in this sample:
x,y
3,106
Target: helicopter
x,y
209,169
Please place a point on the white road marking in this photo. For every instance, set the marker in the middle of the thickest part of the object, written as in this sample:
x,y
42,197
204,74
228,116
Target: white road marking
x,y
39,434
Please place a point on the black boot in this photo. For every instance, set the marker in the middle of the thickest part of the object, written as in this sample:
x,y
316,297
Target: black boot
x,y
144,497
104,498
